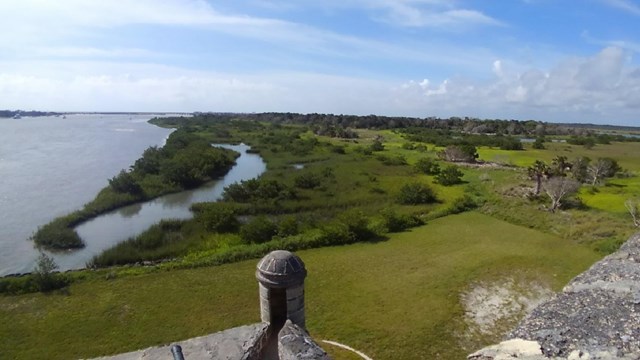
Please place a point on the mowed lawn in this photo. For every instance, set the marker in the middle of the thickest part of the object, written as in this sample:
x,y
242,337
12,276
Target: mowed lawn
x,y
395,299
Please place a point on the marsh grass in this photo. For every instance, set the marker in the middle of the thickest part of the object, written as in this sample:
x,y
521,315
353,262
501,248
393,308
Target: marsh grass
x,y
395,299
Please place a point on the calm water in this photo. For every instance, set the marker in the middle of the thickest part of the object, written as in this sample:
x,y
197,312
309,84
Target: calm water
x,y
50,166
112,228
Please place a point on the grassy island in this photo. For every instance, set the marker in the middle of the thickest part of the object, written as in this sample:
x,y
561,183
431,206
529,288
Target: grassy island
x,y
185,161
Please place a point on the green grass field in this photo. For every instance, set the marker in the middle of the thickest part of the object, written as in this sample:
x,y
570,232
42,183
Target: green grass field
x,y
625,153
392,299
396,299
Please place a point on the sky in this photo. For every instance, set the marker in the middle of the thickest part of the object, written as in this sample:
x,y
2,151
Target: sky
x,y
549,60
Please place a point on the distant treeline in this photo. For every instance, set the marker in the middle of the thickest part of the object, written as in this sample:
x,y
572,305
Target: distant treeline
x,y
339,125
12,113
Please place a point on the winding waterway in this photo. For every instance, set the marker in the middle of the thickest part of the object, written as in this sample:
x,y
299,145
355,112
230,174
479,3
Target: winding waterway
x,y
111,228
50,166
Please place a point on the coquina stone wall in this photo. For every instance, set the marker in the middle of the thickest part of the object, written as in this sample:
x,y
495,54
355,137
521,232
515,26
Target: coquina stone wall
x,y
596,316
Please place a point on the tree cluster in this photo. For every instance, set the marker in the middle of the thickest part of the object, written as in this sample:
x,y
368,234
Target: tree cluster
x,y
563,178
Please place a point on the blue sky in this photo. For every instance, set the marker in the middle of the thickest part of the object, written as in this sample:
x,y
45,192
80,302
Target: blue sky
x,y
551,60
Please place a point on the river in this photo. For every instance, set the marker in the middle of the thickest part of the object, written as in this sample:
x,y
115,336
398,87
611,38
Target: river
x,y
50,166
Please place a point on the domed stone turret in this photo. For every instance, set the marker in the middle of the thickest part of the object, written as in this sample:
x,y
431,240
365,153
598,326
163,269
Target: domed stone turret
x,y
281,269
281,277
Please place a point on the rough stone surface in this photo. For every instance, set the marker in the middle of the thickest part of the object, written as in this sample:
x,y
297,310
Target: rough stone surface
x,y
294,343
241,343
596,316
511,349
281,269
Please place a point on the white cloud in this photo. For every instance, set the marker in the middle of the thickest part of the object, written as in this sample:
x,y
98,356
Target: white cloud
x,y
599,88
625,5
442,14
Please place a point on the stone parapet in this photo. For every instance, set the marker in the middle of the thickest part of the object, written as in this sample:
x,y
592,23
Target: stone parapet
x,y
596,316
295,344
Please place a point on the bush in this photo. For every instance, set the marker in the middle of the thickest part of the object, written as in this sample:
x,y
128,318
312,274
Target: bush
x,y
162,240
395,222
56,235
256,190
258,230
336,233
357,224
427,166
44,277
392,160
416,193
539,144
450,175
307,180
288,226
376,146
219,217
124,182
459,153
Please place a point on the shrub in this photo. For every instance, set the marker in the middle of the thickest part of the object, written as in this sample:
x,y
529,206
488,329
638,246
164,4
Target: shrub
x,y
376,146
416,193
258,230
357,224
459,153
44,277
257,189
427,166
288,226
57,235
450,175
124,182
307,180
336,233
539,144
219,217
392,160
395,222
511,143
162,240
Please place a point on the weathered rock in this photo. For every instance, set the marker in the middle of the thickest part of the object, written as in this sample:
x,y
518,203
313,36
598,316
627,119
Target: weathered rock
x,y
241,343
294,343
510,349
597,315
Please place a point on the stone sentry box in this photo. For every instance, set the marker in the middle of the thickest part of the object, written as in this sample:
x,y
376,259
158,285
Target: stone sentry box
x,y
281,277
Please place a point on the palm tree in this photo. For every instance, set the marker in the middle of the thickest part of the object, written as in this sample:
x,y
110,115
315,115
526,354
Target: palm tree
x,y
537,171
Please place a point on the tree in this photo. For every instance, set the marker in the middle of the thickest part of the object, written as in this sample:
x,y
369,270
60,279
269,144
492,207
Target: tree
x,y
579,169
395,222
427,166
633,206
560,165
416,193
377,145
539,143
258,230
538,171
450,175
125,183
44,276
150,161
601,169
558,188
307,180
219,217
